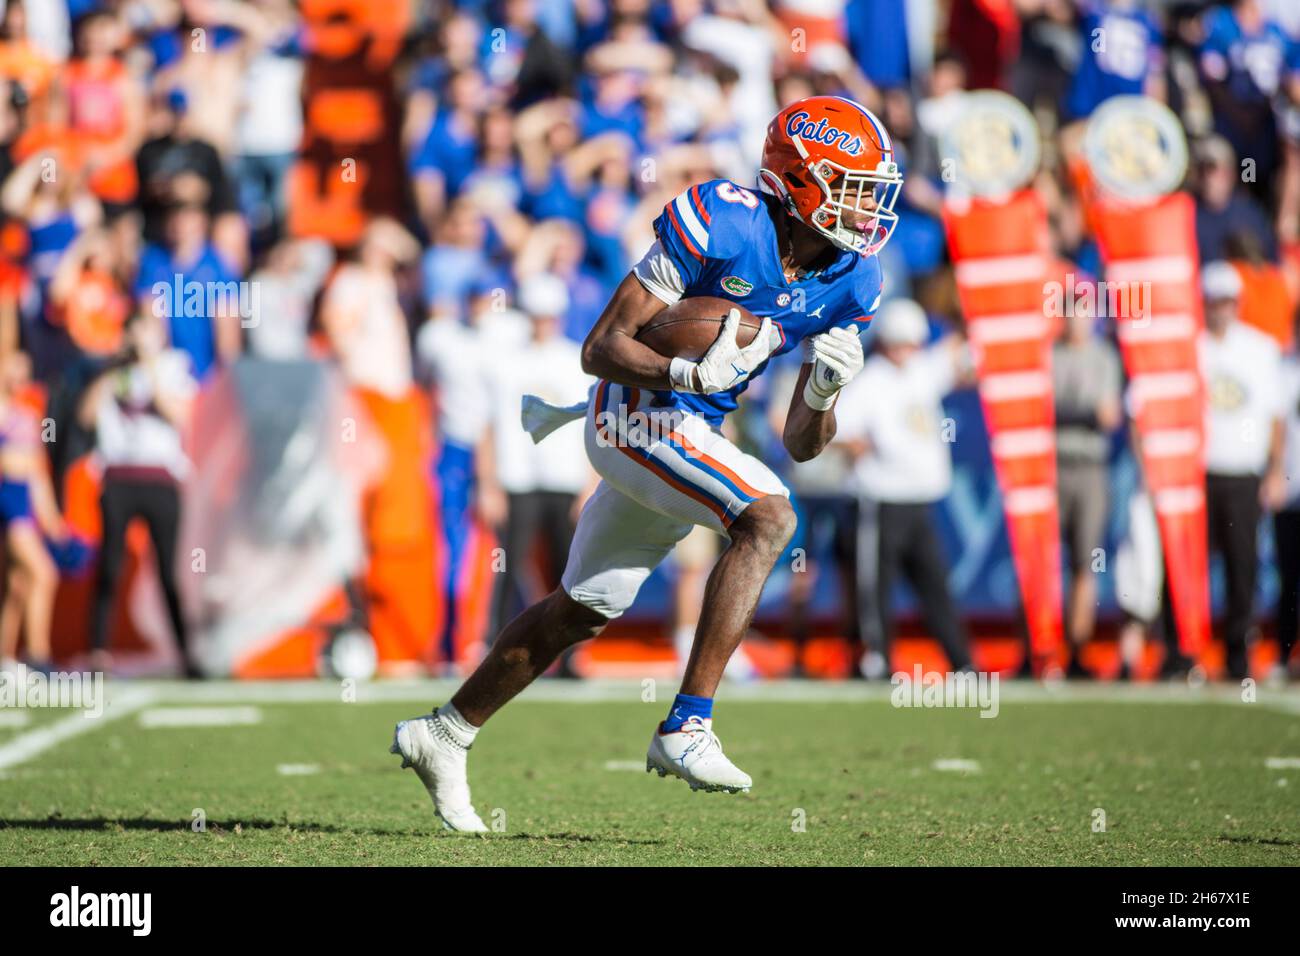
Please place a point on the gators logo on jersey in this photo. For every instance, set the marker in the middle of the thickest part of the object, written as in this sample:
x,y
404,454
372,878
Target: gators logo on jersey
x,y
737,286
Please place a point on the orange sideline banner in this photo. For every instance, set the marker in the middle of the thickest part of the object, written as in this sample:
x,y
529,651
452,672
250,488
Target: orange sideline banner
x,y
1155,243
1001,253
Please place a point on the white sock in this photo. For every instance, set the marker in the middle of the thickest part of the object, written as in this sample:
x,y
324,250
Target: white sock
x,y
460,728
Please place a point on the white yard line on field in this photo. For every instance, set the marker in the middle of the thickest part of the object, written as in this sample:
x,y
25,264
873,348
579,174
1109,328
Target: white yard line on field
x,y
297,769
199,716
624,764
957,765
1282,763
423,694
34,742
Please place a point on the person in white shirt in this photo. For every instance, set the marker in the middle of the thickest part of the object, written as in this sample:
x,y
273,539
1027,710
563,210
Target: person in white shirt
x,y
1245,438
533,492
139,408
454,358
891,423
268,127
286,287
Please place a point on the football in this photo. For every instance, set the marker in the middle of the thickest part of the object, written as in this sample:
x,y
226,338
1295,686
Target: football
x,y
687,328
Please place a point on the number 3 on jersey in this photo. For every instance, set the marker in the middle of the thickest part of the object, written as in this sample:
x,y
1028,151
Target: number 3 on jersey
x,y
732,193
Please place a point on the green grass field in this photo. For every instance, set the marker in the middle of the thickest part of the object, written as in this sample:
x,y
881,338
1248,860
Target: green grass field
x,y
1183,777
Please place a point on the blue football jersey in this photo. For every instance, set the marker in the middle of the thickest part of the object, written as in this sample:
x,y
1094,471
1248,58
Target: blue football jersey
x,y
1121,45
724,243
1254,66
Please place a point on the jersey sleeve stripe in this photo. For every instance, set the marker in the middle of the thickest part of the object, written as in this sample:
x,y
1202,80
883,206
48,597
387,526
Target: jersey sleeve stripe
x,y
699,206
671,209
692,222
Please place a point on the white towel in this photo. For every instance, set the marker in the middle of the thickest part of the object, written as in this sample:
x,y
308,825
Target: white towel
x,y
540,417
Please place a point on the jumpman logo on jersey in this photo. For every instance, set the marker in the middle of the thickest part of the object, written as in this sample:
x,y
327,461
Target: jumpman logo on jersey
x,y
817,312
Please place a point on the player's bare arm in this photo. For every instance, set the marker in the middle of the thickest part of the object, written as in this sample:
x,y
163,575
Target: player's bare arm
x,y
612,351
807,431
835,358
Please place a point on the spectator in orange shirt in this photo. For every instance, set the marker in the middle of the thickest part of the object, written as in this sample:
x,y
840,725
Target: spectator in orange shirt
x,y
1266,302
21,60
87,294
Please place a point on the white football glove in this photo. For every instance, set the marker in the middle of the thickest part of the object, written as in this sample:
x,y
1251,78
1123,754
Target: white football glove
x,y
725,363
837,357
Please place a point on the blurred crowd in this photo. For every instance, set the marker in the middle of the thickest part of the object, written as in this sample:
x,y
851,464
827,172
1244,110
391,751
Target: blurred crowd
x,y
148,149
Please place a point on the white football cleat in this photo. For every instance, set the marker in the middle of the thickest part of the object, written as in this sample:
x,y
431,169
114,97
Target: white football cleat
x,y
439,761
694,753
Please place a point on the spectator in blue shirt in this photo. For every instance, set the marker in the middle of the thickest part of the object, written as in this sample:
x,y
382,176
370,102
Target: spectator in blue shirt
x,y
187,282
1246,61
446,157
1122,55
878,40
458,259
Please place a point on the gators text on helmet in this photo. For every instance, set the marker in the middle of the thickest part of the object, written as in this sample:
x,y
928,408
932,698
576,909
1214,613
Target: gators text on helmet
x,y
825,156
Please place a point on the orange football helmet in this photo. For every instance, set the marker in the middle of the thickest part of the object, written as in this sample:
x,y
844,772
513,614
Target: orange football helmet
x,y
826,156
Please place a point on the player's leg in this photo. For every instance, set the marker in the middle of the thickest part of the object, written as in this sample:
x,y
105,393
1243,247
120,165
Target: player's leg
x,y
687,471
694,558
524,650
684,744
615,547
437,745
758,536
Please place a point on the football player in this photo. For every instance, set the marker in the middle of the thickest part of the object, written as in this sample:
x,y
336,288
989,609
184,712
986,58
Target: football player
x,y
800,252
